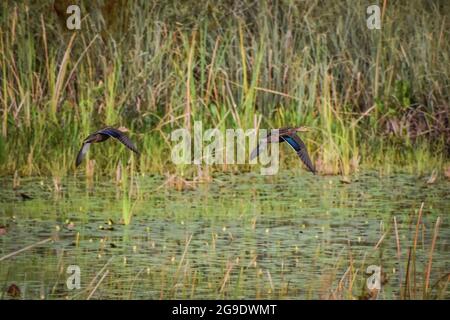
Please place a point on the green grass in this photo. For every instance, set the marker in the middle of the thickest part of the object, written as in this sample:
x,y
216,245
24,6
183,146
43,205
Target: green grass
x,y
230,239
376,98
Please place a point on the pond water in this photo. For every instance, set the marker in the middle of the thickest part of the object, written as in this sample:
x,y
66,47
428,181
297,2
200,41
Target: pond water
x,y
289,236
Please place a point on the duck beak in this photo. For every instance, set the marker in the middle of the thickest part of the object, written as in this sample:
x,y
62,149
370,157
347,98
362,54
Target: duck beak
x,y
303,129
123,129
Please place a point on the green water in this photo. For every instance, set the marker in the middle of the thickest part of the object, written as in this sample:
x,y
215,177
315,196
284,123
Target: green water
x,y
290,236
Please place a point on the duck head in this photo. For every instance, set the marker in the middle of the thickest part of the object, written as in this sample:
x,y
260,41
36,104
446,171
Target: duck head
x,y
302,129
123,129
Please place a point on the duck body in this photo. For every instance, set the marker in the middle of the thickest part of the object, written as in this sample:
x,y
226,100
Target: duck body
x,y
96,137
101,136
290,136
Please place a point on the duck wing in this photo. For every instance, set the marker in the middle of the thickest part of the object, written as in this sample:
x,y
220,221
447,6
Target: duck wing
x,y
119,135
299,146
84,149
262,145
270,138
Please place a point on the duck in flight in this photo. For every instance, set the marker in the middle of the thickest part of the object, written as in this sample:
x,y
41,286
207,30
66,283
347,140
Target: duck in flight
x,y
290,136
103,135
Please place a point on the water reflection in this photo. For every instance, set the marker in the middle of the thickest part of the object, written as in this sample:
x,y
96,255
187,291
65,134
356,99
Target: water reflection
x,y
289,236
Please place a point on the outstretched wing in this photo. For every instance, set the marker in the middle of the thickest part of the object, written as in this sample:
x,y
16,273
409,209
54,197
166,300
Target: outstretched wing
x,y
262,145
112,132
82,153
297,144
272,136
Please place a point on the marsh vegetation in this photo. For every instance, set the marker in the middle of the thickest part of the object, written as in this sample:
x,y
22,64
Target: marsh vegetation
x,y
143,227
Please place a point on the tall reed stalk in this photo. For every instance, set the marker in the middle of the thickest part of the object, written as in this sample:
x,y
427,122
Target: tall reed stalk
x,y
374,97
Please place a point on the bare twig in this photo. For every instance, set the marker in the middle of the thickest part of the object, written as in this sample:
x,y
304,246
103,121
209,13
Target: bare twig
x,y
380,241
416,235
398,252
98,284
430,260
99,273
25,249
226,277
182,259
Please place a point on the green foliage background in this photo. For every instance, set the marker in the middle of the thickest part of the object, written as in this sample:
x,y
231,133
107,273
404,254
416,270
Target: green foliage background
x,y
377,98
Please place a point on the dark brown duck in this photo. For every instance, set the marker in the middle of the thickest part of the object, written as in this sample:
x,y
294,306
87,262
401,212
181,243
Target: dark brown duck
x,y
103,135
290,136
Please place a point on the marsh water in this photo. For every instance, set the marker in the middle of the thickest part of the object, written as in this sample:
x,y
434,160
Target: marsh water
x,y
289,236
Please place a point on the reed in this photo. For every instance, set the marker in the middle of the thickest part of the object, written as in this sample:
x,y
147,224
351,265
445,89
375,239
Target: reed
x,y
129,191
377,98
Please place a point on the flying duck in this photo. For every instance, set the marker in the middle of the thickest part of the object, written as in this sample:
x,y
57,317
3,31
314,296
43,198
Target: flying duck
x,y
290,136
103,135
